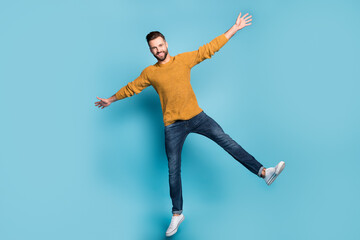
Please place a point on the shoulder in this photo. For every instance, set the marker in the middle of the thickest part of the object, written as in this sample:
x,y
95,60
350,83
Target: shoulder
x,y
186,57
148,69
148,72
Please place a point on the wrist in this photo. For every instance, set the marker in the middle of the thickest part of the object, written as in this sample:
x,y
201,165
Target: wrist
x,y
231,32
112,99
235,28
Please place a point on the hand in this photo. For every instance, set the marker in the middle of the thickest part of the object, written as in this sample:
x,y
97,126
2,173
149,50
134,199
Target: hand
x,y
102,103
243,21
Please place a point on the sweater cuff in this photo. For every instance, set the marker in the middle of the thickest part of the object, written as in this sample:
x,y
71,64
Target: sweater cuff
x,y
225,38
119,95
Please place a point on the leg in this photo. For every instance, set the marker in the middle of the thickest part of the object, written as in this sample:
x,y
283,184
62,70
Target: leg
x,y
175,135
211,129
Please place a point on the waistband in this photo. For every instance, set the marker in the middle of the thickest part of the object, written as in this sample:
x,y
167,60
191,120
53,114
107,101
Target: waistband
x,y
194,117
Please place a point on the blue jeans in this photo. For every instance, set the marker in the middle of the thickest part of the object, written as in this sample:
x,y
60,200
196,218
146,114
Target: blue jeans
x,y
175,135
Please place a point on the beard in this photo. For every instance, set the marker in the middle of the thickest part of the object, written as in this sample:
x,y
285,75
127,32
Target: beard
x,y
161,58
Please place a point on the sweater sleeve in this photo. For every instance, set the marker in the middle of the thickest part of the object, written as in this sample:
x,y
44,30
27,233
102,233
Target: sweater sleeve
x,y
204,52
134,87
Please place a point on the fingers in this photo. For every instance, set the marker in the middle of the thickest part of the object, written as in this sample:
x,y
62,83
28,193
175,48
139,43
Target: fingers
x,y
245,20
100,105
248,21
249,17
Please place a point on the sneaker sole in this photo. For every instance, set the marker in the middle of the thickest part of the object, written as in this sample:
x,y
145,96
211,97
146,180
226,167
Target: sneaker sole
x,y
175,230
278,170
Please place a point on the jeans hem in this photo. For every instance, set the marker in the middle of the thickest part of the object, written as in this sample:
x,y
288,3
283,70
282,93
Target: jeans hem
x,y
177,212
260,171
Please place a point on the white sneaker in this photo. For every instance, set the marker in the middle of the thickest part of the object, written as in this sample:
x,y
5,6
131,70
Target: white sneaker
x,y
272,173
174,224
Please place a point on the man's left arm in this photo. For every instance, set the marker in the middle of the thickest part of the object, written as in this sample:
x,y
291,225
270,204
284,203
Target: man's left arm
x,y
208,50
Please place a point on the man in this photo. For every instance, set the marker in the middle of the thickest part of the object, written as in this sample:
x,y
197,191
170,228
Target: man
x,y
170,77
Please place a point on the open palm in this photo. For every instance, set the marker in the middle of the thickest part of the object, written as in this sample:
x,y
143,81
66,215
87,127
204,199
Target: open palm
x,y
243,21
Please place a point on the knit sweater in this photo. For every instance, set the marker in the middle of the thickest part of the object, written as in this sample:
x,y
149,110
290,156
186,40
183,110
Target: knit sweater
x,y
172,82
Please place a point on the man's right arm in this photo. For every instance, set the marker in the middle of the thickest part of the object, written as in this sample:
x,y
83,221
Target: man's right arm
x,y
129,90
134,87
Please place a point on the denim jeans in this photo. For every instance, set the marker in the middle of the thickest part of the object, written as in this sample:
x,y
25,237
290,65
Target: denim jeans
x,y
175,135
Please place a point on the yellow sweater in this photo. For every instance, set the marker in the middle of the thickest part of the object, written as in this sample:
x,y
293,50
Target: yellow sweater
x,y
172,82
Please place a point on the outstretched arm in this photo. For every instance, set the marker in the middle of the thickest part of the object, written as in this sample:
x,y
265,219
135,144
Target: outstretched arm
x,y
208,50
129,90
240,23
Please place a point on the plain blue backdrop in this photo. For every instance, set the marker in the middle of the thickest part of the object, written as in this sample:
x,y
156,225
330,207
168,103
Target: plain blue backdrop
x,y
285,88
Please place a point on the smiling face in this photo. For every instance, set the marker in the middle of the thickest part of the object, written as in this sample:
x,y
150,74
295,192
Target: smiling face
x,y
159,48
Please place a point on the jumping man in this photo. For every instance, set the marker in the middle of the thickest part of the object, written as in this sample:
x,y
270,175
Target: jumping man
x,y
170,77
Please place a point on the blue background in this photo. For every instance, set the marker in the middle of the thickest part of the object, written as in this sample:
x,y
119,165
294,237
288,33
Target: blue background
x,y
285,88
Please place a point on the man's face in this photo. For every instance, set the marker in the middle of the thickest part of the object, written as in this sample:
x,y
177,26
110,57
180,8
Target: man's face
x,y
159,48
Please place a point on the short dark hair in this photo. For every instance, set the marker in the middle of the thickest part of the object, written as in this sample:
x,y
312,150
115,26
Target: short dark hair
x,y
153,35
